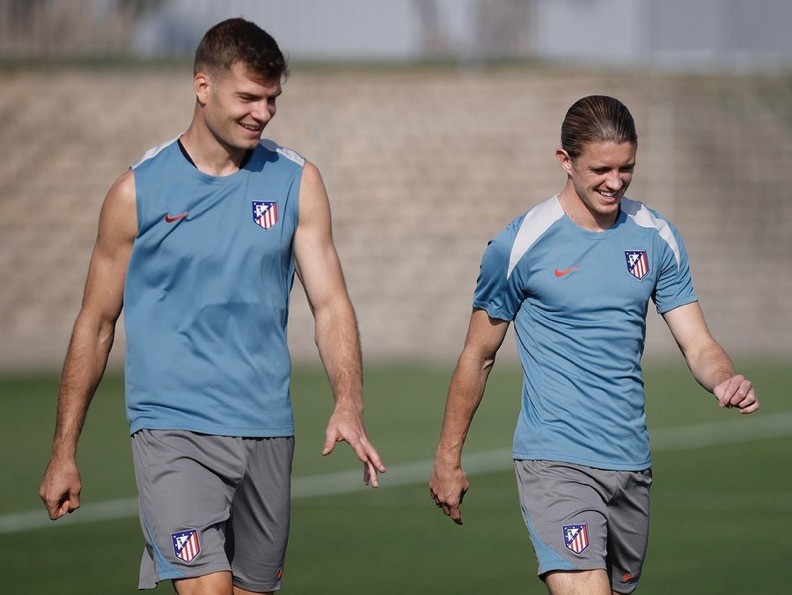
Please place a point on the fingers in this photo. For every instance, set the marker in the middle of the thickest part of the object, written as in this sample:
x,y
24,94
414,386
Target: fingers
x,y
749,403
371,456
372,464
737,392
370,476
68,506
61,506
54,509
60,490
451,502
329,444
450,510
455,512
365,451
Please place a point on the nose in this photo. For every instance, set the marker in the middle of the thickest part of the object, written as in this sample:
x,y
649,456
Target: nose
x,y
263,111
614,180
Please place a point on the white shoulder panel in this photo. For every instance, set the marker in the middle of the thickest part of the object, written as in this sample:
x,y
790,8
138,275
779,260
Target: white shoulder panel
x,y
644,218
153,152
291,154
537,221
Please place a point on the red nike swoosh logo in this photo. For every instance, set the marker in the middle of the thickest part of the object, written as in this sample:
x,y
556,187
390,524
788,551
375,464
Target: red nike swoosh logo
x,y
566,271
170,219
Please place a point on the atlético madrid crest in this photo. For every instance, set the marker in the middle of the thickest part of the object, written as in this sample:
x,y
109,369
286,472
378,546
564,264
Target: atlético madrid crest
x,y
185,545
576,537
637,263
265,213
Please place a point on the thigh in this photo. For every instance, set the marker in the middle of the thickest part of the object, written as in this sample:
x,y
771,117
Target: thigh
x,y
628,533
186,483
590,582
260,514
565,510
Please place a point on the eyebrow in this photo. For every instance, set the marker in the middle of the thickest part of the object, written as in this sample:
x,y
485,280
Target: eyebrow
x,y
605,166
251,94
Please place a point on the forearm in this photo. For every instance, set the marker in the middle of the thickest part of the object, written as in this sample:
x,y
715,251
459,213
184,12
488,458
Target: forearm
x,y
710,365
338,341
464,396
83,368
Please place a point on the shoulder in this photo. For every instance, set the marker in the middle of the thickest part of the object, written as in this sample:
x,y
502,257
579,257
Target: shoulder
x,y
534,222
119,211
523,233
314,204
650,219
290,155
149,156
643,215
123,189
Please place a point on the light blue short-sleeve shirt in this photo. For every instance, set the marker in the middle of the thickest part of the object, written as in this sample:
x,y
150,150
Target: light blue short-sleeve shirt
x,y
579,300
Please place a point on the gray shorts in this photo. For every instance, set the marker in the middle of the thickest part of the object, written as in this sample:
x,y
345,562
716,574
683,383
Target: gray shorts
x,y
581,518
213,503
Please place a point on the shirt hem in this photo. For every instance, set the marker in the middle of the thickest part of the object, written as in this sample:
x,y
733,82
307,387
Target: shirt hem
x,y
493,312
677,304
278,432
595,464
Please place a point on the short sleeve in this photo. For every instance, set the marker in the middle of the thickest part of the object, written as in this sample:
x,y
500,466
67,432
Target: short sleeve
x,y
496,289
674,285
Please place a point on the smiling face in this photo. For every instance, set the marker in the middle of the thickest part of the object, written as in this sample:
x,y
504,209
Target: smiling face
x,y
596,182
235,106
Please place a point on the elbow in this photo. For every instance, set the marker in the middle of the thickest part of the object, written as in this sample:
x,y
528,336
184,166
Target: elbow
x,y
487,362
90,328
106,333
482,361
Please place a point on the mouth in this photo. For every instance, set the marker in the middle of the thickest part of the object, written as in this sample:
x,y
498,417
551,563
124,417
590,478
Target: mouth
x,y
253,129
609,196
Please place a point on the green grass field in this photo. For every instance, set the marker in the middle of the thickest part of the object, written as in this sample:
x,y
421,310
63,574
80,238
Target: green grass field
x,y
722,497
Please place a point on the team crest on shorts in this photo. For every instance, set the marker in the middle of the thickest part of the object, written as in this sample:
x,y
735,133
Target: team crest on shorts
x,y
576,538
265,213
185,545
637,263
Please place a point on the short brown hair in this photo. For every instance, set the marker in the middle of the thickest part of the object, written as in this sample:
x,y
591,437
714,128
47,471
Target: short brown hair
x,y
596,118
238,40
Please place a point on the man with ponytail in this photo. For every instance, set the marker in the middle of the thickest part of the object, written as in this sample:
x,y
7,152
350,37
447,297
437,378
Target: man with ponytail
x,y
575,274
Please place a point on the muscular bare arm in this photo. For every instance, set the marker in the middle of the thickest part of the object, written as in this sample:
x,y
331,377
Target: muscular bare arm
x,y
448,482
336,334
707,360
91,341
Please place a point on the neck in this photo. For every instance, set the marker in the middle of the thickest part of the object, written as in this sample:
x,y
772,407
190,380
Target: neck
x,y
210,155
582,215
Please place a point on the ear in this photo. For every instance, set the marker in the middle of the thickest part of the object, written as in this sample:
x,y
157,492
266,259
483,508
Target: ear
x,y
201,85
564,160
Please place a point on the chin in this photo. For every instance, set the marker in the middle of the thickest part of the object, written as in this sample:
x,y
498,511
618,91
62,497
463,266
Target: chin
x,y
247,144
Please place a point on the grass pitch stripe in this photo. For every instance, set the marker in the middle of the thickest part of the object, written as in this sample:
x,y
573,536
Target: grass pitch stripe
x,y
704,435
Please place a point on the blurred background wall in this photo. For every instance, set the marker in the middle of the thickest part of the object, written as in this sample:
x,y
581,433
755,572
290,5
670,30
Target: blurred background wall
x,y
434,123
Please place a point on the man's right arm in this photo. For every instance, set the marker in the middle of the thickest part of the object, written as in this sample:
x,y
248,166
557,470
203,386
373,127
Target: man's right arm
x,y
91,341
448,482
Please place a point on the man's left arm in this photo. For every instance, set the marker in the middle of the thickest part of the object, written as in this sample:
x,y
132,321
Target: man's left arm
x,y
336,335
709,363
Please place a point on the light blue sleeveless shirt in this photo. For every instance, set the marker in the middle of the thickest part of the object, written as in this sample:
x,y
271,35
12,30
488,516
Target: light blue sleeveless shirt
x,y
206,296
579,301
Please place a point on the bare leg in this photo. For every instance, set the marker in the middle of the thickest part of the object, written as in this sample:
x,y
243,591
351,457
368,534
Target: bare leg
x,y
585,582
241,591
217,583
